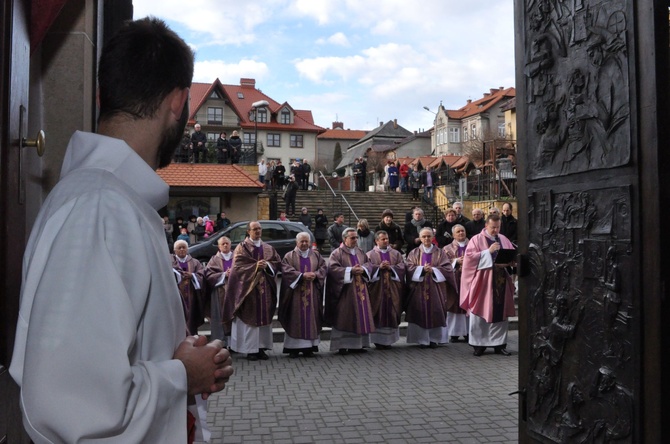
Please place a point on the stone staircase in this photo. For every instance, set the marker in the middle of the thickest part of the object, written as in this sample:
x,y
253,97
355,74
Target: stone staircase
x,y
365,205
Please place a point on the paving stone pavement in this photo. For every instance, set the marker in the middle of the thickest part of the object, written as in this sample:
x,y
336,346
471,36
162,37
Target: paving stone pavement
x,y
403,395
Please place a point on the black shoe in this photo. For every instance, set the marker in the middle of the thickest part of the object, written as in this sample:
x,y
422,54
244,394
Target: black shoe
x,y
423,346
453,339
252,357
262,355
382,346
433,345
309,354
357,350
479,351
466,339
293,355
342,352
501,351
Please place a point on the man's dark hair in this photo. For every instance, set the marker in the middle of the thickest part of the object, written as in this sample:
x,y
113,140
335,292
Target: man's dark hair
x,y
140,66
493,217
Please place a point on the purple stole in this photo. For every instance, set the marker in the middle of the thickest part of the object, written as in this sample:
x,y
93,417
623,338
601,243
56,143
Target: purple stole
x,y
499,287
305,290
362,303
426,258
185,289
262,290
227,264
386,307
461,251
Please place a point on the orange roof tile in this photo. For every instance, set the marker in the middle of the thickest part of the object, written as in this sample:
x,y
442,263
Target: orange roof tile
x,y
447,159
482,105
208,175
241,97
342,134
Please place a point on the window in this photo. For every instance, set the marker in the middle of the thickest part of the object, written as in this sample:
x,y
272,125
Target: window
x,y
212,137
248,138
473,130
262,115
454,135
214,115
465,134
240,95
296,141
285,117
273,231
274,139
501,129
237,234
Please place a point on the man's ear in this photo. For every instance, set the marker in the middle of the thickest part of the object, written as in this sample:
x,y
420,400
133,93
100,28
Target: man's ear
x,y
178,98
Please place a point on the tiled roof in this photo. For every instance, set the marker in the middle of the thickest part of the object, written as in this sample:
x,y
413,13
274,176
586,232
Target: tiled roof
x,y
423,160
241,97
482,105
342,134
447,159
208,175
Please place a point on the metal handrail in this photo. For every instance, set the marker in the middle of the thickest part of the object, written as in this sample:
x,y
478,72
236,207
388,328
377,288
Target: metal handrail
x,y
326,181
341,196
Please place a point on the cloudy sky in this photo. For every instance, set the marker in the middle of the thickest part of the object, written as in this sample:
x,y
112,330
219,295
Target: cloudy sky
x,y
357,61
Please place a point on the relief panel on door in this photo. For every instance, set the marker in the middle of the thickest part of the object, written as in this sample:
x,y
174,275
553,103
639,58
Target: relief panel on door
x,y
581,313
577,86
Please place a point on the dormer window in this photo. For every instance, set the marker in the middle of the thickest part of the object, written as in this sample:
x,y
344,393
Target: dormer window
x,y
285,117
240,95
262,115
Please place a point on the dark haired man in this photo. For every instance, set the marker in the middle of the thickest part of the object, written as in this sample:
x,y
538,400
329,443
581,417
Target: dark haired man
x,y
128,377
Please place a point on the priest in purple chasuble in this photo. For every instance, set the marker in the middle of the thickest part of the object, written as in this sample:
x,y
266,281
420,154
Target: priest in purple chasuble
x,y
190,280
457,319
216,277
251,295
347,307
487,289
301,298
431,284
387,289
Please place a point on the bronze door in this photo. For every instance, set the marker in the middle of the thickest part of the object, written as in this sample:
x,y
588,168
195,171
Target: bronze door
x,y
587,104
14,76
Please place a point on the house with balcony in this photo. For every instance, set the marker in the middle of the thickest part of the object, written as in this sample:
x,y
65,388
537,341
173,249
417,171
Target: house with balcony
x,y
477,121
282,131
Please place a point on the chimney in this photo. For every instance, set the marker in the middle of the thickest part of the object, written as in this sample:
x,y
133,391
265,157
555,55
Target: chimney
x,y
502,88
486,94
381,123
493,90
337,125
469,101
395,123
248,83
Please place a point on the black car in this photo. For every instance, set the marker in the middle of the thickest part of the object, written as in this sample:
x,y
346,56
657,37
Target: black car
x,y
281,235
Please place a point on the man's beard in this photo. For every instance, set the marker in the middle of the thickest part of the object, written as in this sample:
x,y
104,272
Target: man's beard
x,y
171,139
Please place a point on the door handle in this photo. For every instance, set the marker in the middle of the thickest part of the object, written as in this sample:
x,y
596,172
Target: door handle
x,y
38,142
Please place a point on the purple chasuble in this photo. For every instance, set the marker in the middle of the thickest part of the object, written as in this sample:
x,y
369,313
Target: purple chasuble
x,y
385,256
426,258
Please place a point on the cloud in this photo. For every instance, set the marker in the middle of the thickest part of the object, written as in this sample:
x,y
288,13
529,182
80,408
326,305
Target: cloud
x,y
339,39
229,73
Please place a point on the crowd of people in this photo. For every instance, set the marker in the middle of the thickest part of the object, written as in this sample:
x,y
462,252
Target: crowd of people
x,y
449,286
398,176
194,147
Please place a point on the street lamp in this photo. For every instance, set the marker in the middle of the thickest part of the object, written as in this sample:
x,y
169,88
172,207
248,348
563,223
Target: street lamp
x,y
434,129
255,106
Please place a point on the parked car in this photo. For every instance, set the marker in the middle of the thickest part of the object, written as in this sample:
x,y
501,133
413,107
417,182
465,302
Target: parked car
x,y
280,234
